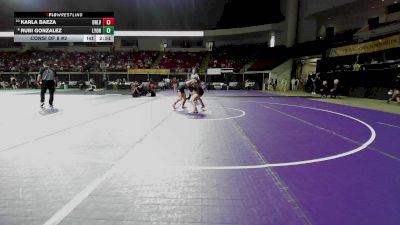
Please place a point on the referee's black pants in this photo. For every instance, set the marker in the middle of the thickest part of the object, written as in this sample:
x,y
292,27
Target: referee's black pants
x,y
48,84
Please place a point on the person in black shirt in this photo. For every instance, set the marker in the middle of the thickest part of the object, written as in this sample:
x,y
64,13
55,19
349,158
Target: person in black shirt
x,y
48,79
324,89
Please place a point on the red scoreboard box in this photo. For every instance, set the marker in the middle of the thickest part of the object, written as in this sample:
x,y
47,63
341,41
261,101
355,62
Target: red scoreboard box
x,y
108,21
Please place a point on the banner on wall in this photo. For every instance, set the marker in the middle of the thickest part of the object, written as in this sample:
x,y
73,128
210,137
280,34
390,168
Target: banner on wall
x,y
367,47
219,71
149,71
213,71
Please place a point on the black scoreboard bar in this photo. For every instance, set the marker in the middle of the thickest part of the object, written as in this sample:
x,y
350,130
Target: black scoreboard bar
x,y
63,14
59,30
51,22
64,27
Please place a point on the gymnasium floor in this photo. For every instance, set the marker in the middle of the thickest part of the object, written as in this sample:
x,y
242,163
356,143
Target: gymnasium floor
x,y
250,158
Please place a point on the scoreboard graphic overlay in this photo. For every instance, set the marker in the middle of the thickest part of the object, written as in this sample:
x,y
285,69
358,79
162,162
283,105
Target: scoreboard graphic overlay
x,y
63,26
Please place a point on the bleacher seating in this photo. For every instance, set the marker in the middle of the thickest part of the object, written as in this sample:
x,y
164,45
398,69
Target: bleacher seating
x,y
74,61
181,61
227,60
265,64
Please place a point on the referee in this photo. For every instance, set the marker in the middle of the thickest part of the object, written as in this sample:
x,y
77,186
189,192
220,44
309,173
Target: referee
x,y
48,79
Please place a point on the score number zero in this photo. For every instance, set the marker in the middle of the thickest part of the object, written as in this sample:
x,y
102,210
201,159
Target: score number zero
x,y
108,25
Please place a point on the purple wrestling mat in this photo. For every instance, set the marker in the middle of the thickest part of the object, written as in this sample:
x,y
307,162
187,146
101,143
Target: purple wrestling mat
x,y
249,158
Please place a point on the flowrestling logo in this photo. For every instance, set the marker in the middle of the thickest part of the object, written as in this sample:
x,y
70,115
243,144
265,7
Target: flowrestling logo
x,y
64,15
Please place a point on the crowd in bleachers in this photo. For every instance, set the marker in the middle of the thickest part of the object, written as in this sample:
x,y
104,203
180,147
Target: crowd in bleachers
x,y
235,57
181,61
74,61
227,60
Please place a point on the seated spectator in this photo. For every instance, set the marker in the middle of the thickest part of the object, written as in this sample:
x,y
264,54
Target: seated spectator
x,y
152,89
334,90
324,89
32,82
394,95
92,85
135,89
4,84
81,84
13,80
